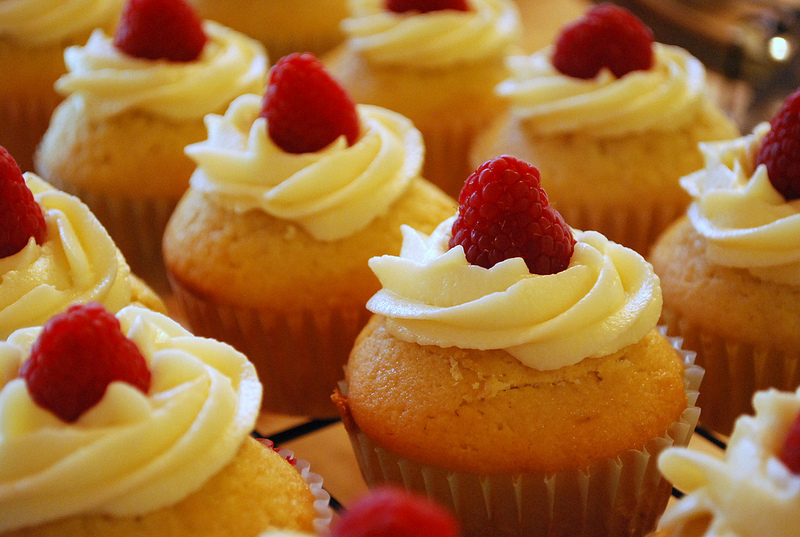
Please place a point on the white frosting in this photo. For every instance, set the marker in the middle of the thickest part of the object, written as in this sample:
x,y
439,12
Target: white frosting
x,y
331,193
608,298
78,262
746,222
434,39
749,493
37,23
132,452
110,81
661,98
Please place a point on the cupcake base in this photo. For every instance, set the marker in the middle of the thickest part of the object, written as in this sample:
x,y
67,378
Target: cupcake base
x,y
299,356
621,496
735,371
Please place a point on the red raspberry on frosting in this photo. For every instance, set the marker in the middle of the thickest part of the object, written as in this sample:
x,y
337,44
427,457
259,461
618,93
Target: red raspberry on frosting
x,y
780,149
425,6
20,216
606,36
305,107
160,29
393,512
790,451
504,212
77,355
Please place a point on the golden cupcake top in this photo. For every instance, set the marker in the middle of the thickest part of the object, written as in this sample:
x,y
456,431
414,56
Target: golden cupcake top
x,y
304,152
755,489
507,273
418,35
156,414
39,23
583,83
745,200
164,61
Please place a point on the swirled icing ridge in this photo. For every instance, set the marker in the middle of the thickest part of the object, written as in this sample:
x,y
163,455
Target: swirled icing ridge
x,y
110,81
745,221
331,193
608,298
132,452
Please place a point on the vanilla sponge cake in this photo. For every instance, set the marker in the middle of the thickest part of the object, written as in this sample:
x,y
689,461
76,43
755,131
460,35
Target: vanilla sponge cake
x,y
451,407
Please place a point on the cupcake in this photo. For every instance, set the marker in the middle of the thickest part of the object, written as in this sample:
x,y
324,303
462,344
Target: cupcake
x,y
54,252
283,26
293,193
150,438
611,134
33,35
435,62
134,101
730,269
513,370
754,489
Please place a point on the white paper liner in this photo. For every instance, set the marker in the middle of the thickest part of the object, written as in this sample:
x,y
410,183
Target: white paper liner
x,y
298,355
735,371
322,500
624,496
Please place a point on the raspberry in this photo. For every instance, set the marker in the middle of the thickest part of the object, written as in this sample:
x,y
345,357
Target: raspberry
x,y
20,216
77,355
606,36
424,6
393,512
160,29
780,149
503,212
790,452
306,109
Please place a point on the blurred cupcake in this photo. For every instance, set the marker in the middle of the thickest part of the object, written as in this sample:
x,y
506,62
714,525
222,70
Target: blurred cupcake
x,y
730,269
293,193
54,253
283,26
611,132
513,370
135,100
151,437
435,62
33,35
754,490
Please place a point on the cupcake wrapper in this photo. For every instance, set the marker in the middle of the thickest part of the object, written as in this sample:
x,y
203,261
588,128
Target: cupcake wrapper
x,y
137,227
447,147
735,371
322,500
631,223
624,496
299,356
22,125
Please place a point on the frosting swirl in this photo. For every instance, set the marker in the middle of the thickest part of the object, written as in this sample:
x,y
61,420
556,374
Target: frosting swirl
x,y
608,298
750,493
331,193
662,98
110,81
78,262
745,221
434,39
46,22
132,452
